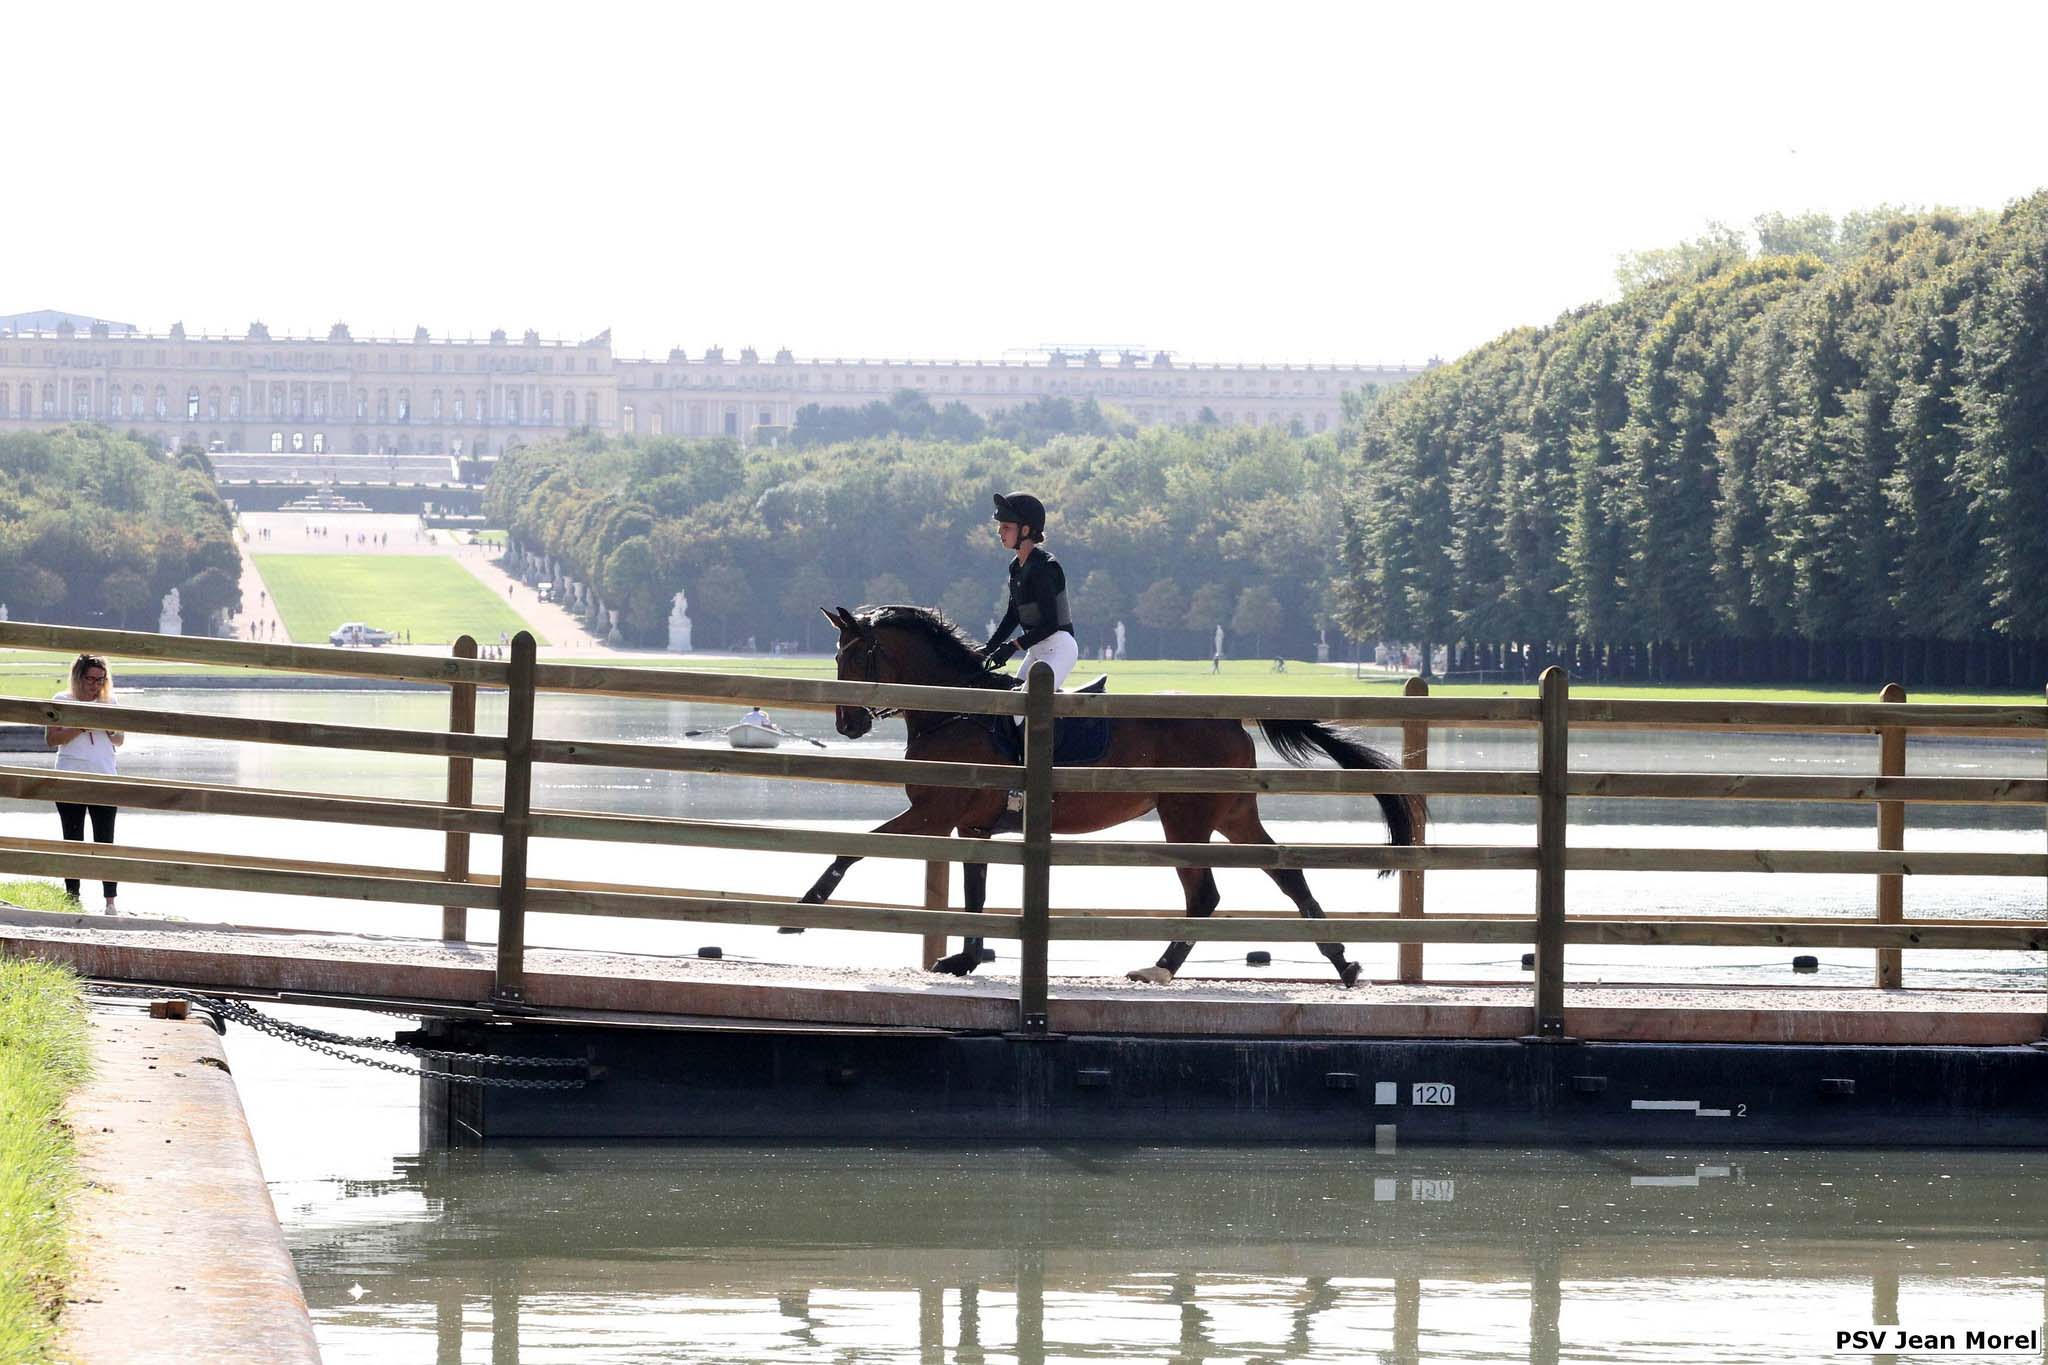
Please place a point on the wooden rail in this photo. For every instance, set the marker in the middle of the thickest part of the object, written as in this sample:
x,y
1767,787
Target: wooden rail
x,y
1551,786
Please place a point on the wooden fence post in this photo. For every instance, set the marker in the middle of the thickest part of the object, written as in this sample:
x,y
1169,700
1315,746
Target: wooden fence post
x,y
1031,995
1414,754
1891,836
461,791
937,880
510,987
1553,759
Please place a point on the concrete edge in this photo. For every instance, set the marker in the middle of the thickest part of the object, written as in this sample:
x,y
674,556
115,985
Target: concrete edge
x,y
179,1253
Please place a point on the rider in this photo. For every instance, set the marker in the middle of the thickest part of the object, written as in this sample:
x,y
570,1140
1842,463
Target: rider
x,y
1038,594
757,717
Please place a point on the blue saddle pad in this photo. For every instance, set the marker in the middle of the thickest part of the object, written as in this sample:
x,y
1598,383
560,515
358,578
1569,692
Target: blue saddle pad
x,y
1076,742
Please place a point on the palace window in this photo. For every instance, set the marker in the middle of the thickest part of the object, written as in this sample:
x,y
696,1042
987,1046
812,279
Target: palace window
x,y
81,399
547,405
319,443
234,402
383,405
49,400
298,440
512,407
434,404
362,404
590,409
298,402
163,403
458,405
191,404
626,419
405,405
114,401
277,443
277,400
319,402
213,405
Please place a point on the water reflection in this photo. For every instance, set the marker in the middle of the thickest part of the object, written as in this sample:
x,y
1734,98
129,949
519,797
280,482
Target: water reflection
x,y
1028,1255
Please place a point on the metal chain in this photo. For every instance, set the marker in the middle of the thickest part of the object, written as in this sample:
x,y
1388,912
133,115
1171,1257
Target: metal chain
x,y
336,1045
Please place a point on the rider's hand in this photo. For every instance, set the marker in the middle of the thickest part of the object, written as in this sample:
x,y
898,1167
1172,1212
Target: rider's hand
x,y
995,656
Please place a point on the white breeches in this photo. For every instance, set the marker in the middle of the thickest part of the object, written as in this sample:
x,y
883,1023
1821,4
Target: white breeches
x,y
1059,651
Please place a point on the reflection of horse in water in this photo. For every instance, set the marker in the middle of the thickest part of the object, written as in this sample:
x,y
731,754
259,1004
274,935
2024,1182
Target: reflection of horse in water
x,y
902,644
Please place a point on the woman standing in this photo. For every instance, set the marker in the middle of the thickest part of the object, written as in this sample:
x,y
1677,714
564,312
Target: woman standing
x,y
87,751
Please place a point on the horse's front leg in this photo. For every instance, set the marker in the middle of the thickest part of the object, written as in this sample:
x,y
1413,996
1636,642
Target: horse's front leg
x,y
974,887
910,821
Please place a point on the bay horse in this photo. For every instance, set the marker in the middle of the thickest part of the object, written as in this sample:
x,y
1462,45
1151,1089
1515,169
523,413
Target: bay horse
x,y
909,644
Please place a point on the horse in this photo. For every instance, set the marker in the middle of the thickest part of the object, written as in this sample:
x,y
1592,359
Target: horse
x,y
912,644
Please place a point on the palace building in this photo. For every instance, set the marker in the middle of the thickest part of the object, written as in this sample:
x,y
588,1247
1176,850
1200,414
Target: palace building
x,y
439,395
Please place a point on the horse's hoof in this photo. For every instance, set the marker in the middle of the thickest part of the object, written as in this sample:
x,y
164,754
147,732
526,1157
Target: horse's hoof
x,y
1349,974
790,929
1150,976
959,964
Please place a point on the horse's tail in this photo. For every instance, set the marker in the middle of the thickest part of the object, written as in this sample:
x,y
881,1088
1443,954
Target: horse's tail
x,y
1298,740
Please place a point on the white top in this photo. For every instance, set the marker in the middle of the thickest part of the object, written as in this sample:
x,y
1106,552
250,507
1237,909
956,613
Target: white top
x,y
756,717
90,752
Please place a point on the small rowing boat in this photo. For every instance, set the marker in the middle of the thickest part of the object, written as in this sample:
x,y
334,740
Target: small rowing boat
x,y
746,736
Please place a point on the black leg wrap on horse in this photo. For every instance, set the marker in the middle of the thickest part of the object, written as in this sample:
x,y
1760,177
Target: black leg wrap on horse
x,y
828,881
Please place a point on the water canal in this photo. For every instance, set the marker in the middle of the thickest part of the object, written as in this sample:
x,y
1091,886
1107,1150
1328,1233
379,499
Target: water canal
x,y
708,1253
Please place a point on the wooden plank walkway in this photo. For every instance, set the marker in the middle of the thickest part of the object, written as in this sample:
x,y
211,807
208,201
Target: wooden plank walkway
x,y
226,960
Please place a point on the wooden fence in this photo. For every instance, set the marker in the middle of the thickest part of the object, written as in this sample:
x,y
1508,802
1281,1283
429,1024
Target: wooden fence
x,y
512,894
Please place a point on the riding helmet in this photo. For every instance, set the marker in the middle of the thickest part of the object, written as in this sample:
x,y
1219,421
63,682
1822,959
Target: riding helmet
x,y
1023,509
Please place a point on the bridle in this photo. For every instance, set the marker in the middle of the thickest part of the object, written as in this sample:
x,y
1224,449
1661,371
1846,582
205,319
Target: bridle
x,y
873,662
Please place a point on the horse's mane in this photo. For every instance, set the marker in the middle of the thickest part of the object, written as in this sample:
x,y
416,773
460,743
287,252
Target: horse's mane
x,y
950,646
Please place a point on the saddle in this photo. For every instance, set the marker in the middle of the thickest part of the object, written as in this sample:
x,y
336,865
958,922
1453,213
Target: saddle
x,y
1077,741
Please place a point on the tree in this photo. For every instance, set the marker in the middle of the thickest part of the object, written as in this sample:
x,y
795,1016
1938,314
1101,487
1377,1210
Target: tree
x,y
806,590
968,600
722,592
1257,609
632,586
1100,600
1162,607
1208,608
885,588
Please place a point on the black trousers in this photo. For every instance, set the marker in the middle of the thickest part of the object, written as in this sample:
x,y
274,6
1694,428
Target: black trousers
x,y
72,817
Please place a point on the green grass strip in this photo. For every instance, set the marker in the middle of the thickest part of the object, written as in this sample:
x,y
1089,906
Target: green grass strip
x,y
34,895
45,1054
433,597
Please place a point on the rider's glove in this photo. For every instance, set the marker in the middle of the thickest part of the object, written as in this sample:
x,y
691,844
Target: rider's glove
x,y
995,656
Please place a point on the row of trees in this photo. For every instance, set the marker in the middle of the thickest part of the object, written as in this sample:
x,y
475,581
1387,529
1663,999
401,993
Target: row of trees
x,y
1811,463
1173,531
96,527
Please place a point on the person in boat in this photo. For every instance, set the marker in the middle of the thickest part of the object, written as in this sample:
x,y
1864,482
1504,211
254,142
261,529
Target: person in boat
x,y
756,716
1038,594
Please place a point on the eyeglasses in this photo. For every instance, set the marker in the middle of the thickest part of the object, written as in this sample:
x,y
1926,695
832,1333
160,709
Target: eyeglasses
x,y
95,677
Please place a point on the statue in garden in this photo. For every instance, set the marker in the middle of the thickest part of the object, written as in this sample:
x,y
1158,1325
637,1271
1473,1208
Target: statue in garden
x,y
170,616
1119,639
679,625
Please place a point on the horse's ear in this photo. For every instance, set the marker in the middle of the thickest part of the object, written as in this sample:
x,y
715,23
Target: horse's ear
x,y
837,622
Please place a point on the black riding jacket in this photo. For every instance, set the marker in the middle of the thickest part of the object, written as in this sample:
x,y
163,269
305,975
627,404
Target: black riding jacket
x,y
1038,600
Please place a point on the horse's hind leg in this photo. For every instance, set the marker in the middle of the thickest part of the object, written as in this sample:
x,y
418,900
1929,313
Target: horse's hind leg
x,y
1241,825
974,888
1185,820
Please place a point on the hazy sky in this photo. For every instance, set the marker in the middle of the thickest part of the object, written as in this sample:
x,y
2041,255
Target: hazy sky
x,y
1257,181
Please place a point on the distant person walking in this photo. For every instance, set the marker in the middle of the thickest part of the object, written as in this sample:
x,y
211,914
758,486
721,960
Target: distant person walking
x,y
87,751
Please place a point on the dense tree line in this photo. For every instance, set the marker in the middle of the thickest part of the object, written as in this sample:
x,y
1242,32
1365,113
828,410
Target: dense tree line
x,y
1173,531
1826,461
910,413
95,528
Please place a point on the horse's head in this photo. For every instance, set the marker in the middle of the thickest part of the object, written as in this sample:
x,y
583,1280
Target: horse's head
x,y
860,658
897,644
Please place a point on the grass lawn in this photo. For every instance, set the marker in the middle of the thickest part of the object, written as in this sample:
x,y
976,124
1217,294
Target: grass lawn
x,y
28,674
1256,677
434,598
44,1055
